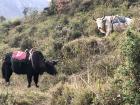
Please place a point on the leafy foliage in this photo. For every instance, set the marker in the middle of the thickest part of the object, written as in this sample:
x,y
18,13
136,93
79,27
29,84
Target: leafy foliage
x,y
93,69
130,69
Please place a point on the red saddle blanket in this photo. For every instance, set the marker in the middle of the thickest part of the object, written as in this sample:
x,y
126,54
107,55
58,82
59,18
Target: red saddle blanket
x,y
19,55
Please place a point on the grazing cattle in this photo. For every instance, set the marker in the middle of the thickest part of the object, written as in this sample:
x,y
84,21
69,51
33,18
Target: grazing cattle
x,y
107,24
32,64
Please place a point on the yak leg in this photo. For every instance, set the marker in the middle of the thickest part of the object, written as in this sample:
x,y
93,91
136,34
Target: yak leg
x,y
3,70
6,72
107,33
7,76
109,29
29,78
36,76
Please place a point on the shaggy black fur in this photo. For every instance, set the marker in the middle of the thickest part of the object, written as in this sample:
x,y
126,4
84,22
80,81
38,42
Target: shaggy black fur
x,y
31,69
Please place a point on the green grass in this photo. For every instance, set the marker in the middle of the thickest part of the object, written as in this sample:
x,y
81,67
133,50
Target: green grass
x,y
91,67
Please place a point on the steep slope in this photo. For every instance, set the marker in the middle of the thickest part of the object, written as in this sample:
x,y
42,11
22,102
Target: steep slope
x,y
92,69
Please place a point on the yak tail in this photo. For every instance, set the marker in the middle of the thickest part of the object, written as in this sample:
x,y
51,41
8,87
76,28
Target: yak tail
x,y
6,64
3,70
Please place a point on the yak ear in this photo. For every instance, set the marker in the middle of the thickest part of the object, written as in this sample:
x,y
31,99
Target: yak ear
x,y
103,17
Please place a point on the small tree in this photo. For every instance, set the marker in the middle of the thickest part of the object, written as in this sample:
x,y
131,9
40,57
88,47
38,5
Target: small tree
x,y
62,6
25,11
2,18
33,15
52,8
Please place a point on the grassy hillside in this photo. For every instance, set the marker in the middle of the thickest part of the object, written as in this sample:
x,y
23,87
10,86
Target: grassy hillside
x,y
93,69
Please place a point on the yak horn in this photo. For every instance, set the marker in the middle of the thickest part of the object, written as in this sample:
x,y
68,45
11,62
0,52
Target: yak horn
x,y
103,17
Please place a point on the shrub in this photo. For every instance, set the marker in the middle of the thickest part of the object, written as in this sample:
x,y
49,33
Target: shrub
x,y
130,47
11,24
128,72
4,31
19,29
65,20
72,96
83,97
76,53
74,5
6,24
33,15
85,5
7,99
56,48
15,41
26,43
52,10
77,29
74,35
77,26
15,23
44,32
32,30
57,45
111,97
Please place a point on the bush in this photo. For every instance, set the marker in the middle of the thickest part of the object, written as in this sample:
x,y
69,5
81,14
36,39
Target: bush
x,y
85,5
15,23
4,31
128,73
84,97
65,20
130,47
71,96
11,24
6,24
52,9
44,32
32,30
74,5
26,43
74,35
77,29
15,41
77,52
57,46
7,99
19,29
111,97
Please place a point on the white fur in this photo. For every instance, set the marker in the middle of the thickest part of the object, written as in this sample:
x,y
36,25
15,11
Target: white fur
x,y
107,27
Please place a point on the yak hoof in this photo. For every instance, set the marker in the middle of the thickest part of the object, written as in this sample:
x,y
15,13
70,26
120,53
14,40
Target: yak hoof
x,y
29,86
37,86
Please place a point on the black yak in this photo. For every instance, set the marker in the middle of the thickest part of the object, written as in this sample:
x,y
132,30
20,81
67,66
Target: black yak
x,y
33,65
